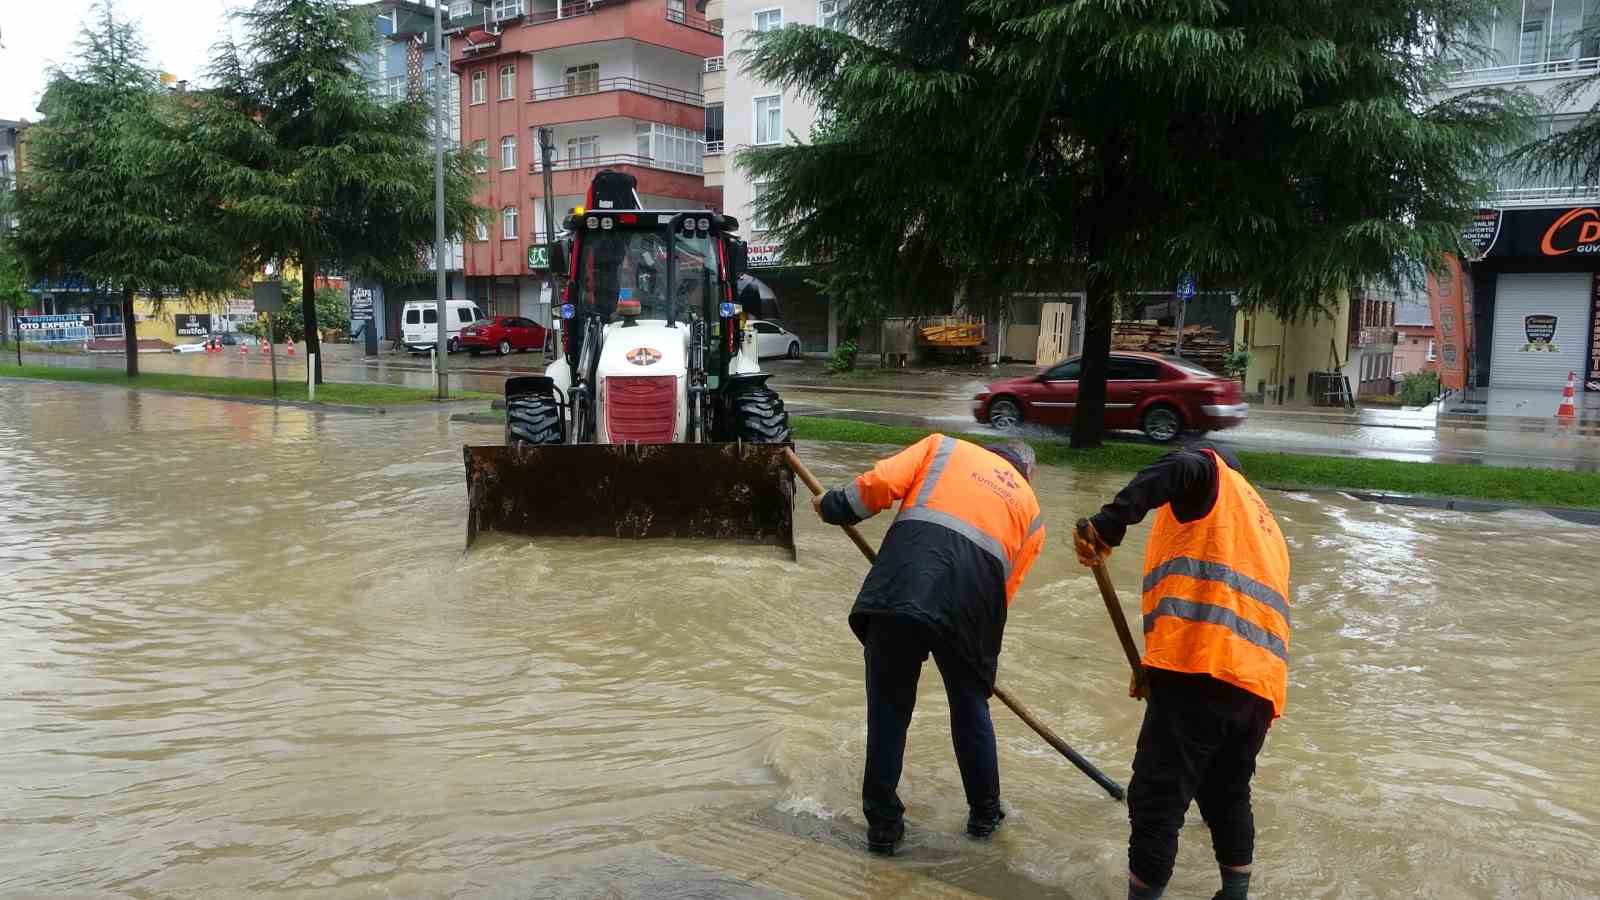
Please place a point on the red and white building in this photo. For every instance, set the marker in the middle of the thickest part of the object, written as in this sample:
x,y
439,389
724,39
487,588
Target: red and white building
x,y
619,82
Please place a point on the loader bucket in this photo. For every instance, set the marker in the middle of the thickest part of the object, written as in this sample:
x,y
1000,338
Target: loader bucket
x,y
733,492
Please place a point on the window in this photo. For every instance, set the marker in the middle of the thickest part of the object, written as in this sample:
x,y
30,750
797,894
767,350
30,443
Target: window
x,y
508,82
769,119
508,223
828,14
482,230
677,12
480,156
480,87
714,123
1431,352
669,147
1122,368
1067,371
413,317
581,150
466,315
506,9
766,328
584,79
508,152
769,19
758,192
430,316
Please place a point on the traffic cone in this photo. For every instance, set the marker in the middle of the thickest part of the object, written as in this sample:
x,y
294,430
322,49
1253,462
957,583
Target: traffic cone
x,y
1568,408
243,349
266,349
289,347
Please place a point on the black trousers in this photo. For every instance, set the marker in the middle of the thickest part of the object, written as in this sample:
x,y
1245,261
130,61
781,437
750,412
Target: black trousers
x,y
895,650
1199,742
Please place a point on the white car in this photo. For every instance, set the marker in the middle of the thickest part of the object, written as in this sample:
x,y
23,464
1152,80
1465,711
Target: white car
x,y
772,340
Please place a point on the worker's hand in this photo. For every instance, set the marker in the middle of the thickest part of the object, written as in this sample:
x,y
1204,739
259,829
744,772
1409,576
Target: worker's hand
x,y
1138,685
816,504
1092,550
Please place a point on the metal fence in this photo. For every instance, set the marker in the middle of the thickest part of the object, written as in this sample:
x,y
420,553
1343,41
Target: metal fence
x,y
579,88
1525,71
617,159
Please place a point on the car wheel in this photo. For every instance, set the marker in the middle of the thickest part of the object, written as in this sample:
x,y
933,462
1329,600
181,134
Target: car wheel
x,y
505,347
453,345
1005,414
1162,424
794,350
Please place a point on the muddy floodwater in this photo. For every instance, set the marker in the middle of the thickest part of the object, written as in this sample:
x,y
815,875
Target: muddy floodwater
x,y
242,652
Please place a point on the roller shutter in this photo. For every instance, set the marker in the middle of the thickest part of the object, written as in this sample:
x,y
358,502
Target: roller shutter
x,y
1565,296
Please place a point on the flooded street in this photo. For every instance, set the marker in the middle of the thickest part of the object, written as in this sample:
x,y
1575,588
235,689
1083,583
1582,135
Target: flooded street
x,y
242,652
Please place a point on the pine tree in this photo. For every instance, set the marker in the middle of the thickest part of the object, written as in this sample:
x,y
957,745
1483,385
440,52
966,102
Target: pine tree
x,y
310,167
1287,150
108,194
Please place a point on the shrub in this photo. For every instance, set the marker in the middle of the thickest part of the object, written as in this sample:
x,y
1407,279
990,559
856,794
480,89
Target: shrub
x,y
843,359
1419,388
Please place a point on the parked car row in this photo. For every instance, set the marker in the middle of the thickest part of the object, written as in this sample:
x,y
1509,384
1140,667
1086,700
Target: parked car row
x,y
1162,396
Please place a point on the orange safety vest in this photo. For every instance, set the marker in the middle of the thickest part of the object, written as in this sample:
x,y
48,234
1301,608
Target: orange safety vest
x,y
964,488
1216,593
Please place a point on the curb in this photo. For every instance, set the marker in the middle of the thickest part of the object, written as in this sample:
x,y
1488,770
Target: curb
x,y
255,401
1453,504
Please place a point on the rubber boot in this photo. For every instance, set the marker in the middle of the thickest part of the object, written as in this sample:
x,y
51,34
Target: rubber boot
x,y
1235,886
883,839
982,823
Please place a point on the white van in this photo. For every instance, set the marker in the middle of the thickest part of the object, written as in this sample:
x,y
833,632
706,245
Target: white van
x,y
419,323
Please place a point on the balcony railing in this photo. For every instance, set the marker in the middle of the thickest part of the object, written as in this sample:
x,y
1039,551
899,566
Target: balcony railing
x,y
1374,337
648,88
618,159
1556,68
1544,195
713,148
693,20
713,64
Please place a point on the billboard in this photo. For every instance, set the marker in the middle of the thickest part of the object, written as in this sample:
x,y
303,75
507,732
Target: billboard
x,y
1447,296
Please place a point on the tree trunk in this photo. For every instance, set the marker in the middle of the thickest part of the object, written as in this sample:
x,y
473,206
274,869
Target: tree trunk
x,y
1089,418
308,307
130,333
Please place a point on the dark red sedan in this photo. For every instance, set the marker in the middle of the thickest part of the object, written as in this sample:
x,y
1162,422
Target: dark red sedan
x,y
1162,396
502,334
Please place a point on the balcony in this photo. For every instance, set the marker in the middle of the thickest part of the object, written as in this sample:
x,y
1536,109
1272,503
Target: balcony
x,y
535,26
714,64
714,148
1375,337
1542,191
647,88
1562,68
596,161
693,20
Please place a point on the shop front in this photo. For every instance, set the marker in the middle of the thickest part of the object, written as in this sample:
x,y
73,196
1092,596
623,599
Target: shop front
x,y
1535,277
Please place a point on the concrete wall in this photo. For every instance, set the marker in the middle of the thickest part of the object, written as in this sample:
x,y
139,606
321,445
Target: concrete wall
x,y
1411,353
1282,351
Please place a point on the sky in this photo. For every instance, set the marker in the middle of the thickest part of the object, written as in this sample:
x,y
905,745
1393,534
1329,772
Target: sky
x,y
34,34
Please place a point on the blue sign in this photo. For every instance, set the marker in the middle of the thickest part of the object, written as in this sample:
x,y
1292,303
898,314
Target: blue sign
x,y
1185,287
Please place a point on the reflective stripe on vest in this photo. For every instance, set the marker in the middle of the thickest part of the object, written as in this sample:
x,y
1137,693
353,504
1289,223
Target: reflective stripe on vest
x,y
858,504
1200,570
916,509
1191,611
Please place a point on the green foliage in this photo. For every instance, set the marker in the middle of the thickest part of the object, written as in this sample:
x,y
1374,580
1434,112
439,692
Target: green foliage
x,y
309,166
14,279
1237,363
843,358
1419,388
109,193
1289,151
256,388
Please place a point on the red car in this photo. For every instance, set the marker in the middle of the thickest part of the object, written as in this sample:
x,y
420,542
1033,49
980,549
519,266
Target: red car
x,y
502,334
1163,396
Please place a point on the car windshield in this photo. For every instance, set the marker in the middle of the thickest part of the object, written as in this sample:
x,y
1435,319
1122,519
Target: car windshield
x,y
632,265
1187,367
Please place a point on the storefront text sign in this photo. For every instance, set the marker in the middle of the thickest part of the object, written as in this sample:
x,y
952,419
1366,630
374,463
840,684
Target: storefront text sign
x,y
1592,380
1447,291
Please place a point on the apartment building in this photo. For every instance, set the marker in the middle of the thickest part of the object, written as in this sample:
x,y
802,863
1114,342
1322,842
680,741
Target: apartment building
x,y
618,83
1534,248
400,66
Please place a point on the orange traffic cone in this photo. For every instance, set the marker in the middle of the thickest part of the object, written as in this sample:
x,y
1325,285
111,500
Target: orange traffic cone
x,y
289,347
266,349
1568,408
243,349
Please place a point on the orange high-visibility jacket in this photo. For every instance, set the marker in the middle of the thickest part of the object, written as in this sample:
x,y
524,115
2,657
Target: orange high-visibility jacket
x,y
1216,593
965,488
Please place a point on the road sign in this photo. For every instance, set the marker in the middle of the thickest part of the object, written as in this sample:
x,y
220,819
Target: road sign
x,y
1185,289
538,256
268,296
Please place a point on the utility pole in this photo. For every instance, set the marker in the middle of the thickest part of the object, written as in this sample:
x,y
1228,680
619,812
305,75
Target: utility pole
x,y
441,347
547,152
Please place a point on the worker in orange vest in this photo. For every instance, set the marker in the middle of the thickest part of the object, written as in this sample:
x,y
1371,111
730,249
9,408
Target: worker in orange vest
x,y
968,530
1215,667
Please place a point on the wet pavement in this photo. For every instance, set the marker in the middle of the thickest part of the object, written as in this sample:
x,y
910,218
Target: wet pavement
x,y
244,654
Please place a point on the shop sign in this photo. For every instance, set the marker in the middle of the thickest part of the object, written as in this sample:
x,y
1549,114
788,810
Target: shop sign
x,y
1447,295
191,324
538,257
1541,332
47,323
361,304
1592,381
240,307
1568,232
1480,236
766,254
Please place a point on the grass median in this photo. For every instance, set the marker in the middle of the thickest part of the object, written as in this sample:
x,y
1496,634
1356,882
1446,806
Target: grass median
x,y
1532,487
243,388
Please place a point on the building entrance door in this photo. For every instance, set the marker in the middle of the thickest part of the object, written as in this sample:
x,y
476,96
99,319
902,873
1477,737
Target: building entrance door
x,y
1055,332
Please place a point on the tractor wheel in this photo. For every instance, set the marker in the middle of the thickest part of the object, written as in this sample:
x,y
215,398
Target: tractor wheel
x,y
532,419
756,415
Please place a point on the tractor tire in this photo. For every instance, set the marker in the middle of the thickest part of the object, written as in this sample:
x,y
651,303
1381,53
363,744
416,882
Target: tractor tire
x,y
532,419
756,415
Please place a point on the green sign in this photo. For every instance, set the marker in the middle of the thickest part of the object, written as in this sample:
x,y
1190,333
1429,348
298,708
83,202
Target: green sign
x,y
539,256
